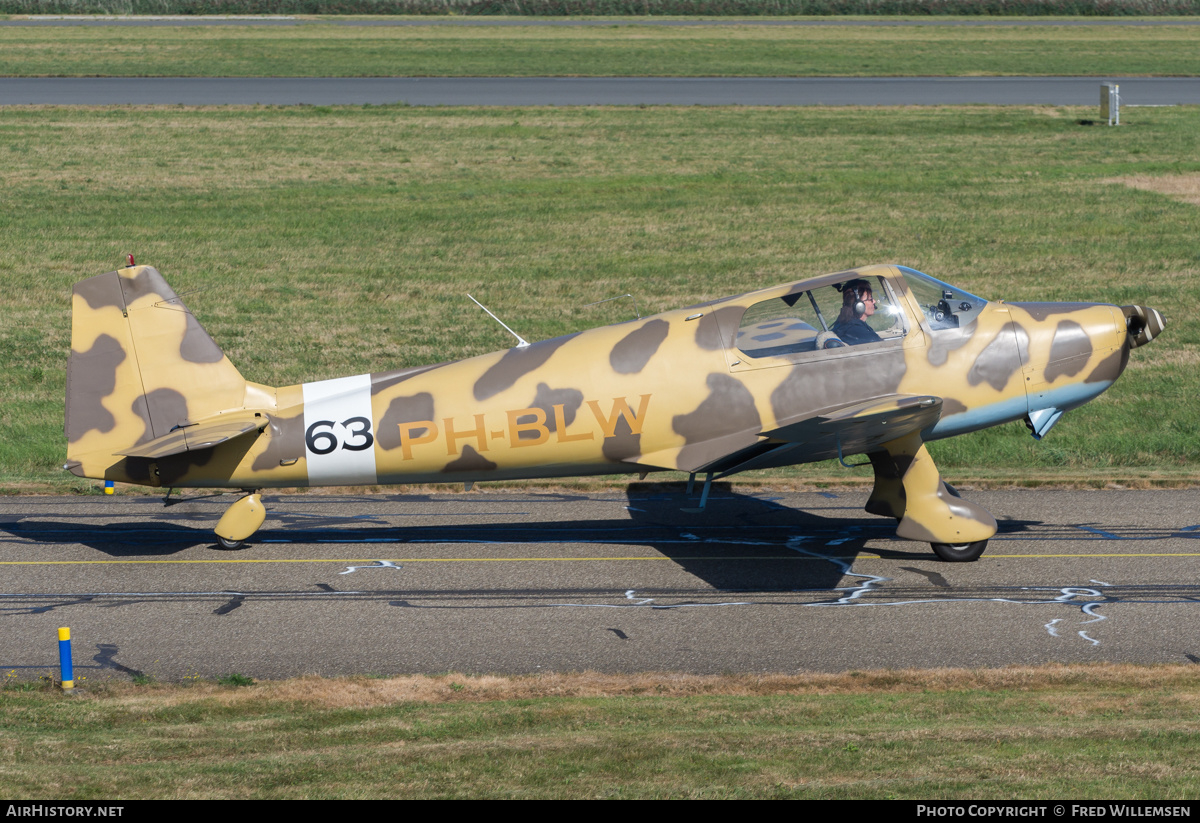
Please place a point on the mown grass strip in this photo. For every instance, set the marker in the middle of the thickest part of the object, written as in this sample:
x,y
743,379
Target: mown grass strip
x,y
321,242
1104,732
325,49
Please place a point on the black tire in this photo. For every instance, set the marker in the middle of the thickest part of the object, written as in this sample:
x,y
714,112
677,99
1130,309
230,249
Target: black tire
x,y
230,545
959,552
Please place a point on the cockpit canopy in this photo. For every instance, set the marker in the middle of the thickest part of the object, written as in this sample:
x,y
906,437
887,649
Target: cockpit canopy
x,y
861,309
944,306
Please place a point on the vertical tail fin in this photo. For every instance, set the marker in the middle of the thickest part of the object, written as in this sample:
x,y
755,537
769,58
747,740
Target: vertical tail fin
x,y
141,365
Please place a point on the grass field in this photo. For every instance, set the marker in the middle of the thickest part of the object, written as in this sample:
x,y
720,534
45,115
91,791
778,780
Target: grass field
x,y
326,49
608,9
1084,732
318,242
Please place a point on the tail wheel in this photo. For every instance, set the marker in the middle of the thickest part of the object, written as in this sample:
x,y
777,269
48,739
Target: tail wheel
x,y
240,521
959,552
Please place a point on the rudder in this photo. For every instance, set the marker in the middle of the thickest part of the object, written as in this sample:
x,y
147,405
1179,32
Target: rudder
x,y
141,366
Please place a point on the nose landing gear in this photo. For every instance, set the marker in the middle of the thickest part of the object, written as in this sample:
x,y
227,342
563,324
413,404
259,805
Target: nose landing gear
x,y
959,552
909,488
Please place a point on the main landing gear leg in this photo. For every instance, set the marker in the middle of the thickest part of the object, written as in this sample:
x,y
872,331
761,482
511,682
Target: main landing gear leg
x,y
909,488
241,520
708,478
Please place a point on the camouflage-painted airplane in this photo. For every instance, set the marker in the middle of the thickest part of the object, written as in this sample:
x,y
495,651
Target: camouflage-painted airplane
x,y
873,361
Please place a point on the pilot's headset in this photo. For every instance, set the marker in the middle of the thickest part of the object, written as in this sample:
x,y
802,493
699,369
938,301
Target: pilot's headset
x,y
855,290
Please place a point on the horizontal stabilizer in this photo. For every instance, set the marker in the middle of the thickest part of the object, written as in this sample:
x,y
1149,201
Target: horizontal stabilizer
x,y
202,435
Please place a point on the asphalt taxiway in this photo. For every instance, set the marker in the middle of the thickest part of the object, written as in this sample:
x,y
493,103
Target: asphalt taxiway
x,y
593,91
513,582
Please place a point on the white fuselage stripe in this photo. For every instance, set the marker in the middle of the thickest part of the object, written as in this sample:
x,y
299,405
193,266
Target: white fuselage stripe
x,y
338,431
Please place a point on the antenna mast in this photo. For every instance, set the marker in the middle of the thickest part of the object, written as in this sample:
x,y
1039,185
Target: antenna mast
x,y
522,342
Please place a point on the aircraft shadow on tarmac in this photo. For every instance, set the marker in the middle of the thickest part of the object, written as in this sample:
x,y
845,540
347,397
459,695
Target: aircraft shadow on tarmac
x,y
738,542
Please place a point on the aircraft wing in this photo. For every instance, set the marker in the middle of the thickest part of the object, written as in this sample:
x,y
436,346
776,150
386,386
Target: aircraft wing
x,y
861,425
853,428
202,435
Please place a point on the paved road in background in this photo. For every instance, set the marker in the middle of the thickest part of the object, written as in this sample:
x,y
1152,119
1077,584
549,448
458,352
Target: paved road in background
x,y
567,91
617,582
587,91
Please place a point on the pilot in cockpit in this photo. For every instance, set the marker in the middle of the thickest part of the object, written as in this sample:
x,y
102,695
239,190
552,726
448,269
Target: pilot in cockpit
x,y
858,303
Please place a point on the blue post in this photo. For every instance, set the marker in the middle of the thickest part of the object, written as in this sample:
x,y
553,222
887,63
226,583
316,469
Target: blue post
x,y
64,658
108,486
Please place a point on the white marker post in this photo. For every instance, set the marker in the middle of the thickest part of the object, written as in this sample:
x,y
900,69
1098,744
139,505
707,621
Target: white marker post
x,y
1110,103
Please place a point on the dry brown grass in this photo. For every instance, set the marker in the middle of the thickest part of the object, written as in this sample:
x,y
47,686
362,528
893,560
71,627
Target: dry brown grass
x,y
1101,731
361,692
1185,187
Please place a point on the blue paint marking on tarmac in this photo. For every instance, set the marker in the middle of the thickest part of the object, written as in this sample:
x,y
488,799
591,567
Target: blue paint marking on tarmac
x,y
381,517
340,540
1070,533
1105,534
23,532
298,518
